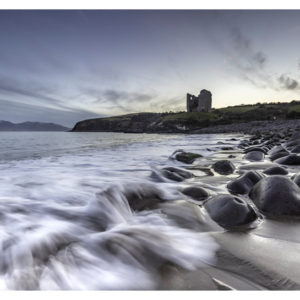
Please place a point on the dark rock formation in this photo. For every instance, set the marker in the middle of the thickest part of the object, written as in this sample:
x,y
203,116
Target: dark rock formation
x,y
276,171
277,196
296,149
146,197
196,193
292,159
263,150
244,183
176,174
255,156
187,157
224,167
296,179
229,211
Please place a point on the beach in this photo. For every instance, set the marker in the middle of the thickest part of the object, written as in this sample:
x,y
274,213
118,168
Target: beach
x,y
112,211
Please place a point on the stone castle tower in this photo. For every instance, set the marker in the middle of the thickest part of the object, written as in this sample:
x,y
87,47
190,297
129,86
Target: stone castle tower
x,y
200,103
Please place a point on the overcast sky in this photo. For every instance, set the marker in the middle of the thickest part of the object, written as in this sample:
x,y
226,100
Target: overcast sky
x,y
65,66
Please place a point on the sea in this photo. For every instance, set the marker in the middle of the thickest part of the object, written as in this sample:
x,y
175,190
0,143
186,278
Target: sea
x,y
65,222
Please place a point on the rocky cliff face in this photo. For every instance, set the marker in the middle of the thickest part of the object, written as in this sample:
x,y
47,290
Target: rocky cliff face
x,y
134,123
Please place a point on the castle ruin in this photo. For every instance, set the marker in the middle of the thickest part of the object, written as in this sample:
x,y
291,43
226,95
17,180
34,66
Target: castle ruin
x,y
200,103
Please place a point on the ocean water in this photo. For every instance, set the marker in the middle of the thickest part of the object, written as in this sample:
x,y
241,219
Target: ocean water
x,y
65,221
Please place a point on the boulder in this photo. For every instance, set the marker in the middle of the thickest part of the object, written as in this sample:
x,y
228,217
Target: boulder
x,y
296,179
292,159
255,156
229,211
187,157
296,149
227,148
144,197
176,174
244,183
223,167
276,171
277,152
250,149
196,193
277,196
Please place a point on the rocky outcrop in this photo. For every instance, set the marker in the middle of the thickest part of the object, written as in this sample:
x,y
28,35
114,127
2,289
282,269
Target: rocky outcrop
x,y
223,167
196,193
277,196
186,157
244,184
230,211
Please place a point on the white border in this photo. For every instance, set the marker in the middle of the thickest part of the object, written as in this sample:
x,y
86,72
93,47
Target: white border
x,y
147,4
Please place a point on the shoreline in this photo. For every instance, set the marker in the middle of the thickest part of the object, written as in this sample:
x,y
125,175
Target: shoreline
x,y
252,127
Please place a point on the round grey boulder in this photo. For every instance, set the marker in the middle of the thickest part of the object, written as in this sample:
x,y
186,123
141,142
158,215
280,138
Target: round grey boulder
x,y
187,157
276,171
277,196
255,156
176,174
196,193
243,184
229,211
250,149
223,167
292,159
296,179
296,149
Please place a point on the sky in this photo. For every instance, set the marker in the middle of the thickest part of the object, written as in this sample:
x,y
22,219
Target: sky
x,y
64,66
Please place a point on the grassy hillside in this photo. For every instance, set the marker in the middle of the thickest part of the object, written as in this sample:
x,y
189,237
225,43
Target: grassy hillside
x,y
185,121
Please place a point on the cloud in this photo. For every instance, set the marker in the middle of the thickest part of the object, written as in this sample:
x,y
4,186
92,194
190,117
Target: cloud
x,y
20,112
248,61
288,82
251,64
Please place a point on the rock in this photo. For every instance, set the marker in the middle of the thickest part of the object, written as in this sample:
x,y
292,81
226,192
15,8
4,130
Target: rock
x,y
255,156
276,171
187,157
277,196
223,167
292,159
296,179
227,148
250,149
244,183
292,144
231,156
279,154
296,149
229,211
176,174
197,193
144,197
276,149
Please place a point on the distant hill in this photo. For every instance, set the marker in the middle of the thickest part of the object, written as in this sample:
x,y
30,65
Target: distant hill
x,y
31,126
184,122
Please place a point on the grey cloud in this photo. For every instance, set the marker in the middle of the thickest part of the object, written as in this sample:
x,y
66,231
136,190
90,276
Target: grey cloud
x,y
251,64
115,96
249,61
288,82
